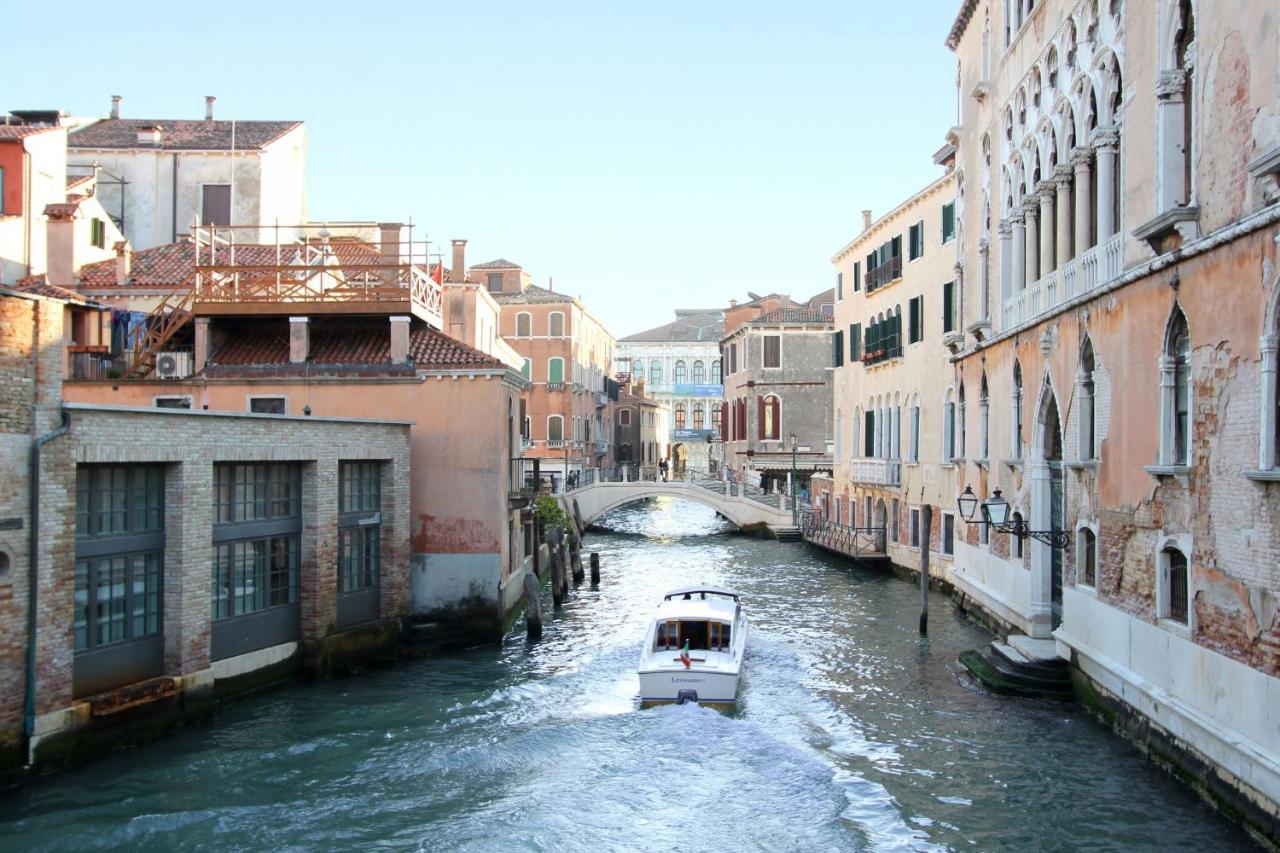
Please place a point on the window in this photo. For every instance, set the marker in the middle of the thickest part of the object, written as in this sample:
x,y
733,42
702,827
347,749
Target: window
x,y
948,308
884,264
527,435
97,232
893,521
949,427
699,372
984,423
915,528
119,567
624,417
171,402
770,414
359,539
960,425
680,415
915,241
772,351
837,345
699,419
914,447
493,282
555,370
526,369
948,533
1085,408
1174,596
215,204
1015,543
655,372
715,372
915,319
267,405
1177,412
555,324
717,414
1087,548
857,276
948,222
555,429
1016,403
256,544
524,325
855,342
681,373
839,286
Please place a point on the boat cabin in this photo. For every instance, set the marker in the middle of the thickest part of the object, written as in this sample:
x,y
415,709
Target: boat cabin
x,y
701,616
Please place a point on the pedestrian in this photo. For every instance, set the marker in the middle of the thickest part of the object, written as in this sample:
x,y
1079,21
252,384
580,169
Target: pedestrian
x,y
662,469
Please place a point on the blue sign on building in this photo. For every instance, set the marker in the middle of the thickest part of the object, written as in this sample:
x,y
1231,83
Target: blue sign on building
x,y
688,389
690,434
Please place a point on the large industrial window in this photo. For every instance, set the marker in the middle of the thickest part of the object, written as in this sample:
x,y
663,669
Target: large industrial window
x,y
256,556
119,575
359,540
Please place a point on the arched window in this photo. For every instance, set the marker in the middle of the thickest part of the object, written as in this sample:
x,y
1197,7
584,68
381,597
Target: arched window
x,y
715,372
1175,392
699,418
681,373
1015,544
555,324
1087,551
913,448
524,324
655,373
960,421
526,370
699,372
855,448
555,428
984,443
624,452
771,413
1175,583
555,369
1086,418
624,417
1016,404
949,426
717,419
680,415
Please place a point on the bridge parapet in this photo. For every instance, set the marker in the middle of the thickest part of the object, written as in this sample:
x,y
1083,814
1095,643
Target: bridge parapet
x,y
742,505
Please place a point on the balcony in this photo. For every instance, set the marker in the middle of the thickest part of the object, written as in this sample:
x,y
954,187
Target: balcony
x,y
555,386
878,472
886,348
368,270
525,481
92,362
890,270
1080,275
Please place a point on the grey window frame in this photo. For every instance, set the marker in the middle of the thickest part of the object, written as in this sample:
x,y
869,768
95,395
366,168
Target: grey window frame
x,y
359,540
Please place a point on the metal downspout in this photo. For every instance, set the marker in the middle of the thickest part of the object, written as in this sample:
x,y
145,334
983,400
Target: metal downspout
x,y
33,579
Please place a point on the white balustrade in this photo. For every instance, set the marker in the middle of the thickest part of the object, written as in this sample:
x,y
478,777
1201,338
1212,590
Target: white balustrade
x,y
1083,273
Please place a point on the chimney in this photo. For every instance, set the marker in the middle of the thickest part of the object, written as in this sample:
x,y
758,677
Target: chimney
x,y
866,219
399,340
149,134
459,271
61,263
389,243
208,107
299,339
733,303
124,255
115,106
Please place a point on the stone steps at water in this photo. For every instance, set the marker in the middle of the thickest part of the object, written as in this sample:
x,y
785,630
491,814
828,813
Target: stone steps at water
x,y
1004,669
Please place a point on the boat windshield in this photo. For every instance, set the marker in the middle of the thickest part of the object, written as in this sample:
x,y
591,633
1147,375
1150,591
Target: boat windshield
x,y
705,635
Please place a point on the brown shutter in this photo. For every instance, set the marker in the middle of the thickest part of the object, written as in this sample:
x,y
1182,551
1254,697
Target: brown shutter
x,y
776,406
760,413
724,421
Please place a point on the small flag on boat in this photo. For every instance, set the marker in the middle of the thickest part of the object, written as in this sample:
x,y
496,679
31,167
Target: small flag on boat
x,y
684,656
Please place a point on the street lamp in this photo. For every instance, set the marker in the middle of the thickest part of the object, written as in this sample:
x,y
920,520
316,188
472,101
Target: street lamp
x,y
995,514
795,510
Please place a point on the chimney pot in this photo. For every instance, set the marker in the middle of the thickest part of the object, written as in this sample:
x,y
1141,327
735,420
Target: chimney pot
x,y
208,107
866,219
124,258
458,273
115,106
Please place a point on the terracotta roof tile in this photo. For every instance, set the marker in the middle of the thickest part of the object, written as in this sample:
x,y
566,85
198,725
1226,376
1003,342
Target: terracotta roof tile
x,y
41,288
12,132
532,294
499,264
181,134
794,314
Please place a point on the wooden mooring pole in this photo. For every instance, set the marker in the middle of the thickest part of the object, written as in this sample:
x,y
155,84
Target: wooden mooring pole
x,y
926,521
595,569
557,575
532,606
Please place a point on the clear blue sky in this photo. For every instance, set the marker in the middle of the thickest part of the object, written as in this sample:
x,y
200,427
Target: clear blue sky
x,y
645,155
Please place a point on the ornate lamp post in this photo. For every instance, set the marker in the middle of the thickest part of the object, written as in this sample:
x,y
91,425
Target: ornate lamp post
x,y
995,514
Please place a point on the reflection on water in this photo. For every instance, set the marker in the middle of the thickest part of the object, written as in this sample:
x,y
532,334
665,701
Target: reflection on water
x,y
852,733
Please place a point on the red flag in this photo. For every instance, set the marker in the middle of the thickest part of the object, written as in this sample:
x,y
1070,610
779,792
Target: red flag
x,y
438,273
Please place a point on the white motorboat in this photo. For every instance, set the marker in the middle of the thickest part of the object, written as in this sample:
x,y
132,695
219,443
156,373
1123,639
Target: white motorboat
x,y
694,646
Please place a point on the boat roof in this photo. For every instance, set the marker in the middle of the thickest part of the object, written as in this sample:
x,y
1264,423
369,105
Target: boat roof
x,y
695,590
697,609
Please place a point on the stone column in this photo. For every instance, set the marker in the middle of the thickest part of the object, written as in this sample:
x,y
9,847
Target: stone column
x,y
1084,417
1171,188
1084,199
1018,253
1041,554
1048,260
1062,187
1106,142
1031,213
984,276
1268,346
1168,409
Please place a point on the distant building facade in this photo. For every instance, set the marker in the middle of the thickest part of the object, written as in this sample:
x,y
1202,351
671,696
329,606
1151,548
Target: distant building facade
x,y
679,364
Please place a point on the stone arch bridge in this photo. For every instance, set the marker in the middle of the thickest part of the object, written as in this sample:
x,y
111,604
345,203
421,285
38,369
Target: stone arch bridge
x,y
747,507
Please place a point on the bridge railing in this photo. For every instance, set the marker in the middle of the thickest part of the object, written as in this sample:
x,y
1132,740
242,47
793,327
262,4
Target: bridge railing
x,y
851,541
700,478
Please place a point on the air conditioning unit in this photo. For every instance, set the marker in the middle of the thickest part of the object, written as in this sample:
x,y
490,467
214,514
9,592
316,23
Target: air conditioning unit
x,y
173,365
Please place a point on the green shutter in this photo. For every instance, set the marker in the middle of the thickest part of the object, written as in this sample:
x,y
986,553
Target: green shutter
x,y
869,435
946,305
855,341
837,340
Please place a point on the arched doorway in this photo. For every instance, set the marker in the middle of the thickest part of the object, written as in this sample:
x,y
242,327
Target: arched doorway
x,y
679,458
878,520
1047,513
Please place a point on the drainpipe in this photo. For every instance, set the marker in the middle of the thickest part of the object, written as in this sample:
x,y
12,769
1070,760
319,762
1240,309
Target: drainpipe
x,y
29,727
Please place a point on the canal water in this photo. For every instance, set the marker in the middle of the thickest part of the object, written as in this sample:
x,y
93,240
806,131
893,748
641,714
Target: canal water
x,y
852,733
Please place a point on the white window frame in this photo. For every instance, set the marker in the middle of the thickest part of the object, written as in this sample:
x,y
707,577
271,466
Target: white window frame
x,y
549,439
550,332
1091,527
249,398
528,318
942,534
155,401
1180,542
763,350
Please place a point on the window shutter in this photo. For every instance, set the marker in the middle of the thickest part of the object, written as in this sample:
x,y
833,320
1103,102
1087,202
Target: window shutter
x,y
857,276
869,436
837,339
839,285
775,412
760,417
724,421
524,424
946,305
855,341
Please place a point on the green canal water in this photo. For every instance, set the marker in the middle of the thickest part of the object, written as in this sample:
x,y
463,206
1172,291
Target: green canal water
x,y
852,734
